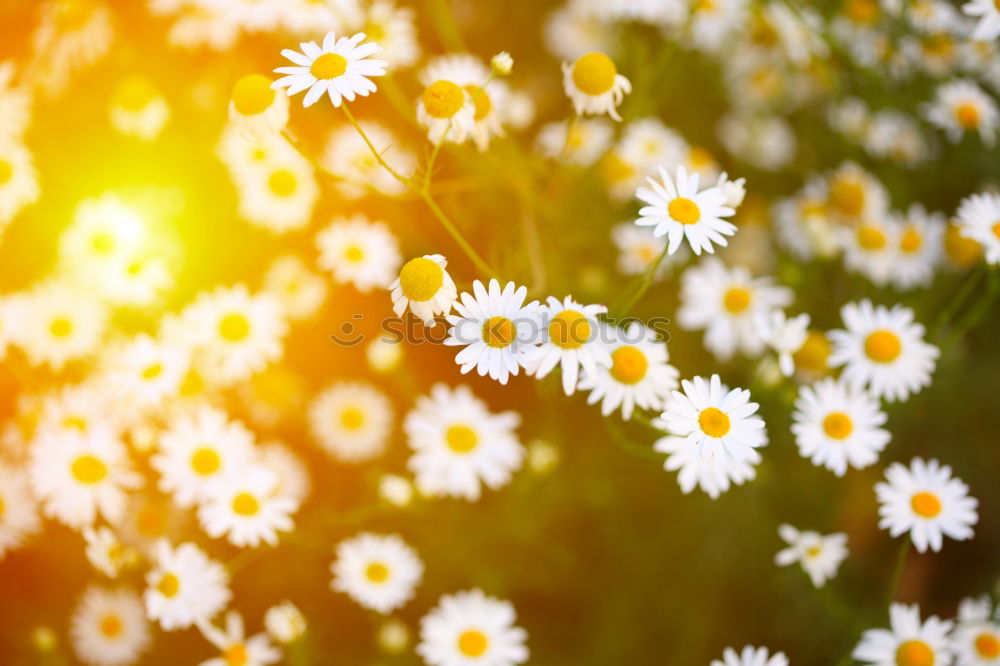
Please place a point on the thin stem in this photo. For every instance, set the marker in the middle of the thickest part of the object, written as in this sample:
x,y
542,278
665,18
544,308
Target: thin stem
x,y
897,573
457,235
378,156
429,170
647,280
976,313
956,301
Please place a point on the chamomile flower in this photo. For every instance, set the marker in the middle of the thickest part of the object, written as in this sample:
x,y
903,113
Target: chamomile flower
x,y
713,475
280,196
447,110
137,108
495,328
301,291
639,248
594,86
836,425
59,323
926,501
678,210
572,341
105,551
256,107
976,639
909,642
109,627
488,101
785,336
820,555
579,143
883,350
920,246
18,509
378,572
870,248
234,647
360,252
988,26
351,421
750,656
425,287
638,375
854,195
340,68
246,509
184,586
292,478
18,179
285,622
393,28
979,220
459,445
471,628
145,371
348,158
961,106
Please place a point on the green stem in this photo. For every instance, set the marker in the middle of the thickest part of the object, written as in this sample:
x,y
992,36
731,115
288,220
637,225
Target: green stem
x,y
457,236
378,156
897,572
977,312
956,301
647,280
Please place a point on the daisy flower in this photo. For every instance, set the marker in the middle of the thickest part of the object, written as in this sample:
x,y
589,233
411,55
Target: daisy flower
x,y
58,323
920,245
458,444
679,211
750,656
378,572
637,376
393,28
301,291
18,509
572,341
18,179
962,252
988,13
138,109
976,639
883,350
280,196
184,586
285,622
104,550
447,110
961,106
256,107
594,85
425,286
349,159
926,501
352,421
246,509
360,252
870,248
488,101
820,555
853,195
340,68
495,327
979,220
470,627
109,627
144,371
728,303
234,648
785,336
836,425
909,641
639,248
579,143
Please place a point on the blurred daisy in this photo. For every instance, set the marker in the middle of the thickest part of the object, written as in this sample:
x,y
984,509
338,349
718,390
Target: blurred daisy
x,y
363,253
447,110
572,341
574,28
256,107
495,327
144,371
638,250
18,509
920,236
349,159
637,376
300,291
963,253
18,179
785,336
281,196
292,478
580,143
926,501
393,28
988,13
246,155
750,656
679,211
285,622
105,551
854,195
378,572
907,642
979,220
870,248
836,425
109,627
976,639
765,141
470,627
78,409
883,350
340,69
594,85
234,647
58,323
246,509
459,444
137,108
15,103
961,106
819,555
351,421
184,586
425,287
713,21
728,303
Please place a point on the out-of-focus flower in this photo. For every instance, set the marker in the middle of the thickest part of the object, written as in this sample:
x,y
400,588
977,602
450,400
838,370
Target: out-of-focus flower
x,y
502,63
363,253
961,106
247,509
750,656
184,587
137,108
256,107
378,572
351,421
979,220
233,645
819,555
285,622
109,627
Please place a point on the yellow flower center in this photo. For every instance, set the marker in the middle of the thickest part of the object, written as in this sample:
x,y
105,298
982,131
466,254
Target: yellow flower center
x,y
252,94
234,327
883,346
628,364
837,425
235,655
169,585
871,237
714,422
967,116
443,99
699,157
89,469
420,279
996,227
6,171
377,572
569,329
245,504
328,66
481,100
77,422
352,418
152,371
2,507
737,299
914,653
861,11
594,73
614,169
813,354
925,504
61,327
964,252
282,182
684,210
988,645
205,461
111,626
499,332
813,551
473,643
134,93
375,31
911,241
847,197
461,438
354,253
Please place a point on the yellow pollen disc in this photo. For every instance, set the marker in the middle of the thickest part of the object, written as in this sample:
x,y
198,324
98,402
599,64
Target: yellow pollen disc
x,y
883,346
762,32
252,94
714,422
89,469
153,371
377,572
481,100
61,327
967,116
988,645
964,252
1,507
354,253
134,93
614,169
629,364
499,332
813,551
472,643
375,31
996,227
282,182
77,422
234,327
6,171
847,197
352,418
699,157
258,154
245,504
443,99
111,626
169,585
594,73
871,237
103,243
837,425
861,11
925,504
235,655
328,66
737,299
911,241
461,438
914,653
569,329
420,279
205,461
684,210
